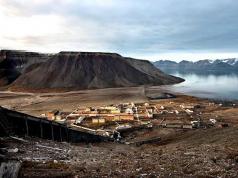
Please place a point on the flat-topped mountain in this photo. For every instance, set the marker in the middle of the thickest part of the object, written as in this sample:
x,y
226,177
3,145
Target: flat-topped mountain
x,y
85,70
22,70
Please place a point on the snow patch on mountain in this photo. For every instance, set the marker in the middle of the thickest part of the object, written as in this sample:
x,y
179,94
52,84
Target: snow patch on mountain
x,y
232,61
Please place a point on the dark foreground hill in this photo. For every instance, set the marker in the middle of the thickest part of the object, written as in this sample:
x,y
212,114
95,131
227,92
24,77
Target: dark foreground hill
x,y
85,70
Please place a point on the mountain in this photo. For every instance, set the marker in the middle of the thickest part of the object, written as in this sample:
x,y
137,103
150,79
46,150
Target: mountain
x,y
219,66
236,66
166,64
13,63
232,61
86,70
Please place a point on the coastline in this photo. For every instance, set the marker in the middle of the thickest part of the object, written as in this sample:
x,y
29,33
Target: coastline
x,y
201,149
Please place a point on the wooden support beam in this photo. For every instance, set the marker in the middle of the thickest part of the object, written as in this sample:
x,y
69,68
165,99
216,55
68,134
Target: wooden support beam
x,y
27,128
41,129
52,131
60,134
67,133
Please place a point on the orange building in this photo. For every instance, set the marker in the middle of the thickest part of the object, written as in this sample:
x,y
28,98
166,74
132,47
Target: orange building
x,y
51,115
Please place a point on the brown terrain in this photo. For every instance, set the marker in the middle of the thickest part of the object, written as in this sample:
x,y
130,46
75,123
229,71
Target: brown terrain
x,y
38,103
207,151
203,152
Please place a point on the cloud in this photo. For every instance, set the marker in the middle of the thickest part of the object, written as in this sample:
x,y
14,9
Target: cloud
x,y
144,28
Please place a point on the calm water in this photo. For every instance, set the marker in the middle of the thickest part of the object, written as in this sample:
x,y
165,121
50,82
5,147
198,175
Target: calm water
x,y
209,86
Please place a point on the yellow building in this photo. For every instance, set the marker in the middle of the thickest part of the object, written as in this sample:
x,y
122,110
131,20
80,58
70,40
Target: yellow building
x,y
58,117
98,120
115,111
124,117
110,109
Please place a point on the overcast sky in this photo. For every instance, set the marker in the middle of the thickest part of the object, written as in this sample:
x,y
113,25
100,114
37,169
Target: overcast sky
x,y
149,29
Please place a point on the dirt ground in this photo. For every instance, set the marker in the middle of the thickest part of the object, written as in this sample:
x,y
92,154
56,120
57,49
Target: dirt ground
x,y
204,152
195,153
38,103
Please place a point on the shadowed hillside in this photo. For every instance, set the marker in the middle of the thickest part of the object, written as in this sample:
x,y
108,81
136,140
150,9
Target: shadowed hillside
x,y
20,70
83,70
13,63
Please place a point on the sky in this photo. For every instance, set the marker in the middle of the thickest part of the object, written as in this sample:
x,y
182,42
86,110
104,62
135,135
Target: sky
x,y
146,29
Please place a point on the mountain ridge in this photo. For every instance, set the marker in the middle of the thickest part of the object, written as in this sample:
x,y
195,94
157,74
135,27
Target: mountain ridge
x,y
229,65
85,70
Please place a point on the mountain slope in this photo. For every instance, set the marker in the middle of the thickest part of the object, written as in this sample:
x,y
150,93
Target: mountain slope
x,y
83,70
13,63
149,69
